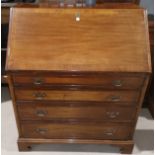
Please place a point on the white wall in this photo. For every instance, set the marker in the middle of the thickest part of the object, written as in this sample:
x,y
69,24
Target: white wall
x,y
149,5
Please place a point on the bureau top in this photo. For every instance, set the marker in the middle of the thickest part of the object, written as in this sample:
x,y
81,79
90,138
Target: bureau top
x,y
59,39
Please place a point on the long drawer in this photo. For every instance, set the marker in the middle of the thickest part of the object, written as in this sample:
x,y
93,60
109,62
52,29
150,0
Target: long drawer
x,y
110,96
79,131
114,81
43,111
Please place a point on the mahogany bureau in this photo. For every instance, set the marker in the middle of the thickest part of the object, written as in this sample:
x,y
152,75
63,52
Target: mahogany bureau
x,y
78,75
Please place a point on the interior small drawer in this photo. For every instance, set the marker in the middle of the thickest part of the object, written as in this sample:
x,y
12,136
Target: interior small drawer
x,y
76,95
44,111
113,81
79,131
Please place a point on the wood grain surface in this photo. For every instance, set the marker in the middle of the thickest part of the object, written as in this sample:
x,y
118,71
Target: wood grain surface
x,y
64,95
79,131
103,40
106,81
44,111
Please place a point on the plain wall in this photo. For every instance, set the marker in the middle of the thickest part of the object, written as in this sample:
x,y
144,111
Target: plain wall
x,y
148,4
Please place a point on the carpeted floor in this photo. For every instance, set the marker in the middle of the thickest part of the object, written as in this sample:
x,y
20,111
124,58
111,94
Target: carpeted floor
x,y
144,137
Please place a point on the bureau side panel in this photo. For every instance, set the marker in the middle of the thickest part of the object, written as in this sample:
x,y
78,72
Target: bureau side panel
x,y
141,99
11,88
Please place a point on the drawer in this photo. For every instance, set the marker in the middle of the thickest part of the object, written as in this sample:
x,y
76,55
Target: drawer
x,y
80,130
65,95
120,82
43,111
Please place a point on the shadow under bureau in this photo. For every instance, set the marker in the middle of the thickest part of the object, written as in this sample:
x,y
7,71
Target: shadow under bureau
x,y
78,75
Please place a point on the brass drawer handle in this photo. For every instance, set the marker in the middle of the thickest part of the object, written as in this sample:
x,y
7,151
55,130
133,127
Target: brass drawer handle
x,y
38,81
109,133
117,83
112,114
39,95
41,113
115,98
41,131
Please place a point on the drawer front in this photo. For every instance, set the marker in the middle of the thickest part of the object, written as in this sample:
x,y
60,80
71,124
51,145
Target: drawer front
x,y
121,82
42,111
80,130
110,96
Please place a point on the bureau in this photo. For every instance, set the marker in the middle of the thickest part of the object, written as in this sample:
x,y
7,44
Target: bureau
x,y
78,75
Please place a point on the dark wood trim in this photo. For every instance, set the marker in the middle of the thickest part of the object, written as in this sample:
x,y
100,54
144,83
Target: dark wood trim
x,y
80,103
24,144
71,87
75,121
117,1
136,1
74,73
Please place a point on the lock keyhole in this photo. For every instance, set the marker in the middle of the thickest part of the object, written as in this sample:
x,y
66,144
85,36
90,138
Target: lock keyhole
x,y
77,17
